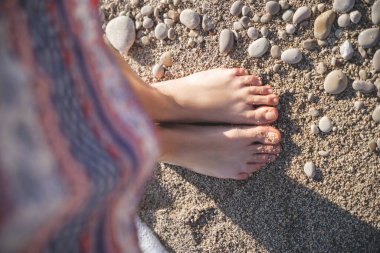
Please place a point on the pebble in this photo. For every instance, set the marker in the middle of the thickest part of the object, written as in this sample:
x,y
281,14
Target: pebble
x,y
244,21
343,6
323,24
207,23
266,18
173,15
314,129
284,4
135,3
291,56
158,71
272,7
358,105
321,7
238,26
325,124
258,48
372,145
253,33
245,10
236,8
301,14
362,52
264,31
323,153
166,59
161,31
147,10
369,37
375,13
282,35
362,74
226,41
171,34
148,23
290,28
335,82
376,114
287,15
169,22
275,51
346,50
355,16
121,33
344,20
376,60
276,67
190,18
309,169
309,44
313,112
256,18
321,68
363,86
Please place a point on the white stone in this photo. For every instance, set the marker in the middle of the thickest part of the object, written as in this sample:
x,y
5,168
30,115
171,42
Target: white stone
x,y
325,124
291,56
346,50
258,48
121,33
309,169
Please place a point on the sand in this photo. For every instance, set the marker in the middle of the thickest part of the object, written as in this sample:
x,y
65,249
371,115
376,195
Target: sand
x,y
278,209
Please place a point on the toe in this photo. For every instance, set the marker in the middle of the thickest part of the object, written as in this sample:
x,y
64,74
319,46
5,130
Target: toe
x,y
251,168
242,176
270,99
262,115
249,80
262,158
262,134
265,149
259,90
238,71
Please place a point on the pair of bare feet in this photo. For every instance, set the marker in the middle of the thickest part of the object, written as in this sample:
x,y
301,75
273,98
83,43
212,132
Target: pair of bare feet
x,y
222,96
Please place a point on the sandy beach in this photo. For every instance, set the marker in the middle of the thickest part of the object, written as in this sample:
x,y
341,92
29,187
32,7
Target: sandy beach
x,y
278,209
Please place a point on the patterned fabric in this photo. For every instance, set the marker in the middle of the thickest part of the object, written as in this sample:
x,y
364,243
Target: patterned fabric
x,y
75,145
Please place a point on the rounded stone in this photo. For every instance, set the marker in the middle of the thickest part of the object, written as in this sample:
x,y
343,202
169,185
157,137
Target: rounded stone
x,y
161,31
275,52
226,41
344,20
323,24
309,169
376,60
284,4
207,23
363,86
287,15
358,105
372,145
171,34
253,33
121,33
301,14
309,44
325,124
244,21
313,112
355,16
148,23
166,59
264,31
258,48
237,26
346,50
314,129
236,8
245,11
290,28
272,7
321,68
147,10
343,6
158,71
376,114
291,56
323,153
375,13
266,18
369,37
190,18
335,82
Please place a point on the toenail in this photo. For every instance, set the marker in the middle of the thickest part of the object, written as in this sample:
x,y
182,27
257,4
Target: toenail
x,y
272,137
270,90
270,116
275,100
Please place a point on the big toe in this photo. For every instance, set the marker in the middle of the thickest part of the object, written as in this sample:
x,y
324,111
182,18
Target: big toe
x,y
262,115
260,134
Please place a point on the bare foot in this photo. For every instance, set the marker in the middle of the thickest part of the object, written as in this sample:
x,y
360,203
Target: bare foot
x,y
223,152
221,96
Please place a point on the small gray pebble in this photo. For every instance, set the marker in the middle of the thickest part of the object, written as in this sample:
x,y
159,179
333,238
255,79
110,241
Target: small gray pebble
x,y
325,124
275,52
313,112
272,7
238,26
323,153
256,18
355,16
266,18
314,129
284,4
363,86
244,21
166,59
301,14
321,7
376,60
253,33
291,56
346,50
375,13
321,68
287,15
171,34
369,37
207,23
309,169
290,28
226,41
335,82
276,67
190,18
236,8
158,71
148,23
161,31
343,6
372,145
258,48
264,31
358,105
147,10
245,10
121,33
309,44
344,20
363,74
376,114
